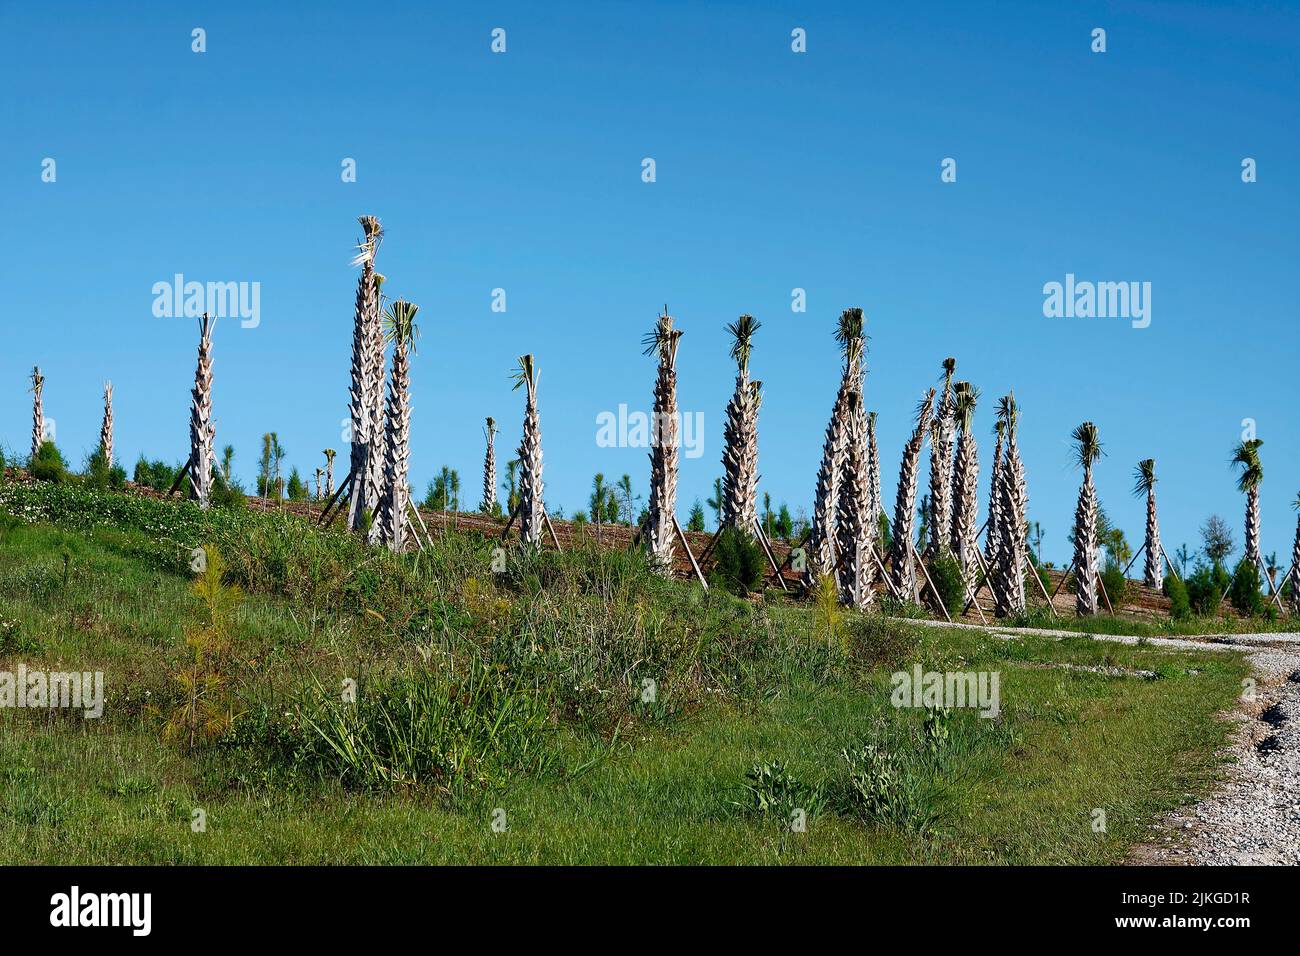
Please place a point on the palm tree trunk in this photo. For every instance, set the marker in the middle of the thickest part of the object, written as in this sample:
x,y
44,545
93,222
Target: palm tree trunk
x,y
329,472
377,476
1252,526
1085,548
875,503
1295,571
965,508
367,380
1009,574
38,412
490,469
531,505
941,465
822,533
853,517
106,429
992,536
740,456
1154,567
203,432
904,567
397,451
665,456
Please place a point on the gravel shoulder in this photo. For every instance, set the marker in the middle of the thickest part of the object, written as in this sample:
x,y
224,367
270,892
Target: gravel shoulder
x,y
1253,818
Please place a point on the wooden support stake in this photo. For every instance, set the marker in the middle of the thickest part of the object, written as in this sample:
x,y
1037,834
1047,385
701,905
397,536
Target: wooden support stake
x,y
1106,597
338,494
420,519
1039,581
551,528
933,590
1134,558
1172,569
509,524
1272,589
767,549
884,575
1064,577
687,545
180,476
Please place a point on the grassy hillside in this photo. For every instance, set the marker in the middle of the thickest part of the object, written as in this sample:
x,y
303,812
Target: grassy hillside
x,y
598,712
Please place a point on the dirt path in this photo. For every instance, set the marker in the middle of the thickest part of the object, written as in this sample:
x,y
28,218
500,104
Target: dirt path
x,y
1253,818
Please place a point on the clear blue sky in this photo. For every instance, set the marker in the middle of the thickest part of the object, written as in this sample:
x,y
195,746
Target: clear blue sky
x,y
775,170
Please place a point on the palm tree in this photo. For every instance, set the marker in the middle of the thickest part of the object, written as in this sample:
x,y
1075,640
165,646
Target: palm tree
x,y
941,466
1246,458
992,533
662,341
854,526
401,330
489,504
329,472
531,509
202,430
904,568
740,434
106,428
1295,564
822,536
875,504
1144,483
1013,503
376,479
1087,449
966,470
38,412
320,473
367,379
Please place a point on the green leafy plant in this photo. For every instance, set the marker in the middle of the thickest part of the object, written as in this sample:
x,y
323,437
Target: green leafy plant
x,y
770,788
48,465
737,562
1244,591
1175,589
946,574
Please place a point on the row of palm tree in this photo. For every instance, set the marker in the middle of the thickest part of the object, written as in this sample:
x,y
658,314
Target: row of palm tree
x,y
847,508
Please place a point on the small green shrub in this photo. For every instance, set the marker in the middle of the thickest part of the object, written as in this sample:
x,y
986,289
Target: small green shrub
x,y
946,574
1180,608
157,475
445,733
227,494
1205,587
770,788
1113,580
1244,592
100,476
48,465
888,789
737,562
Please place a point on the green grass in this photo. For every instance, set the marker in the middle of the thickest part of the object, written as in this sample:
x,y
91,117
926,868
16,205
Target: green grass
x,y
554,730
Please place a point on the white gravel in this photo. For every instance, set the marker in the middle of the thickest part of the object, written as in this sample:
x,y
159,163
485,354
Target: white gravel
x,y
1254,816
